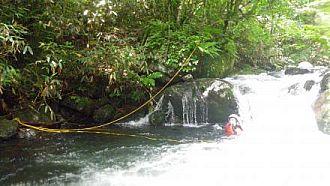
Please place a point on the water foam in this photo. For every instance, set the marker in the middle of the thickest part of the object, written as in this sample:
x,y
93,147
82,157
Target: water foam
x,y
281,145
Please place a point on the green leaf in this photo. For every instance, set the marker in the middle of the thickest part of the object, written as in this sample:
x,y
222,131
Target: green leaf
x,y
155,75
27,48
30,50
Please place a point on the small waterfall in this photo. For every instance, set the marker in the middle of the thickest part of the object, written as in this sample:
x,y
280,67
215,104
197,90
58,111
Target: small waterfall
x,y
281,144
194,104
170,113
194,109
159,103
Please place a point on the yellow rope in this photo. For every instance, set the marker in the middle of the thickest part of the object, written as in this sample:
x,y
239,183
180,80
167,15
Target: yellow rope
x,y
147,102
93,132
90,129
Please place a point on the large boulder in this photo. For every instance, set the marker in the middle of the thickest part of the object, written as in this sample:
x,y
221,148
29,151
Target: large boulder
x,y
322,106
302,68
207,100
8,129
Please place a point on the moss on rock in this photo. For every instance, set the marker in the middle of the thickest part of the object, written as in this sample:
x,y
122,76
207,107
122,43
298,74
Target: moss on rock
x,y
8,129
104,113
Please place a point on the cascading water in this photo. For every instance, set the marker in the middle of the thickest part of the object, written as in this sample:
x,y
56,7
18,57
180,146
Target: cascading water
x,y
194,110
170,113
280,145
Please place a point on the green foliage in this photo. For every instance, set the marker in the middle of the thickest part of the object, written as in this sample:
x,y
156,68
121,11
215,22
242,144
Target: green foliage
x,y
325,7
169,46
149,81
303,40
8,76
11,39
49,48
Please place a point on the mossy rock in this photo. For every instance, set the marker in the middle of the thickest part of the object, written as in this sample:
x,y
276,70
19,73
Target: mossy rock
x,y
213,67
8,129
208,100
81,104
34,116
104,113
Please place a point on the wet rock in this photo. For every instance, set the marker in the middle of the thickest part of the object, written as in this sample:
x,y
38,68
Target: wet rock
x,y
322,105
28,134
322,111
302,68
207,100
309,85
294,89
157,118
296,71
276,74
8,129
325,83
104,113
245,90
135,116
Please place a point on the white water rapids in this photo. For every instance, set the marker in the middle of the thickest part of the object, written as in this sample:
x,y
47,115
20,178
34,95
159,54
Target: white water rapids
x,y
281,145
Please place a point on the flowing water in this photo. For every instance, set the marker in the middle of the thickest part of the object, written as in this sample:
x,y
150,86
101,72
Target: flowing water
x,y
280,145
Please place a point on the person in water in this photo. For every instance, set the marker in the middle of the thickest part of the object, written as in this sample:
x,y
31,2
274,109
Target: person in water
x,y
233,127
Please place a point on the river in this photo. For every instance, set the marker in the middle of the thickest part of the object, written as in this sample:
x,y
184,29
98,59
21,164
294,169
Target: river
x,y
280,145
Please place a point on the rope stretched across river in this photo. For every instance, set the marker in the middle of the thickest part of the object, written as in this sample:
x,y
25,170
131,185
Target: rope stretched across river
x,y
92,129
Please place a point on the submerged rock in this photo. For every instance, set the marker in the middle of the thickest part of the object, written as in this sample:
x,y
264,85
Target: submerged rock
x,y
202,101
294,89
245,90
309,85
8,129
